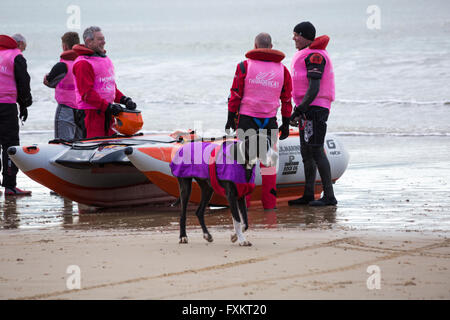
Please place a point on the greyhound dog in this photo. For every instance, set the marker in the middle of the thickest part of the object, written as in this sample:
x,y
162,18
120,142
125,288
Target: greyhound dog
x,y
235,178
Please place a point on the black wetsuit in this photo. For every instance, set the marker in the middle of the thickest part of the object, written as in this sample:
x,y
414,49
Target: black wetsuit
x,y
9,120
312,135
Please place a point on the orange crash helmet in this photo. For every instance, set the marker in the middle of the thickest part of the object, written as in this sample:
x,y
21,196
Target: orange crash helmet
x,y
128,122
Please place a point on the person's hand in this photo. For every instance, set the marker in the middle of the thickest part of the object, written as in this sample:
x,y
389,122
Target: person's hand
x,y
298,112
45,80
23,116
128,102
231,122
115,109
293,120
284,128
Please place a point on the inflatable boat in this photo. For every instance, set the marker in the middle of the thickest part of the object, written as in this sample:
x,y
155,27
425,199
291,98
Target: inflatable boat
x,y
153,160
94,172
98,172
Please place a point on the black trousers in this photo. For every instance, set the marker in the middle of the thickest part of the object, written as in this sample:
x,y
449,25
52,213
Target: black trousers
x,y
9,136
312,136
246,123
268,175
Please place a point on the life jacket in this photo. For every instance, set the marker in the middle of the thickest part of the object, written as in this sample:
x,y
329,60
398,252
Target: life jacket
x,y
65,90
104,81
210,161
8,52
300,81
263,83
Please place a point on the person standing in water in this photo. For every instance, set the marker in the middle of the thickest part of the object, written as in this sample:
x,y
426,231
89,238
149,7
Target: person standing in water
x,y
313,92
95,86
14,89
259,84
69,124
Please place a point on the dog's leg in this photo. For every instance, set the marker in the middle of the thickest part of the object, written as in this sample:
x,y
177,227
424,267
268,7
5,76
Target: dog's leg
x,y
185,185
233,201
175,203
207,193
243,216
243,213
239,235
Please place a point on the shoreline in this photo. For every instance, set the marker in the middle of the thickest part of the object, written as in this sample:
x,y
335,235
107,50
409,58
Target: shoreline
x,y
288,264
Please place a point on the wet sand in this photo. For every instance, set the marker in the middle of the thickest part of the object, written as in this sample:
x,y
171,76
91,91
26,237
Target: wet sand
x,y
392,213
396,184
281,264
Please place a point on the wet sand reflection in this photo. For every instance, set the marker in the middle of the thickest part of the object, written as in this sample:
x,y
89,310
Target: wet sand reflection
x,y
165,218
71,215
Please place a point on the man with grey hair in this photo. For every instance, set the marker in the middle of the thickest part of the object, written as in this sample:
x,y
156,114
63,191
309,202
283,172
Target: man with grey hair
x,y
260,82
263,40
21,41
95,86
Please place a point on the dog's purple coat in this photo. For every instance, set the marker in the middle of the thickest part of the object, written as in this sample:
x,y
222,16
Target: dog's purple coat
x,y
187,163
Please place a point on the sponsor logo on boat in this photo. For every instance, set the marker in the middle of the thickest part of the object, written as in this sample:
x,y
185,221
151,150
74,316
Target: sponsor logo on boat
x,y
291,166
289,149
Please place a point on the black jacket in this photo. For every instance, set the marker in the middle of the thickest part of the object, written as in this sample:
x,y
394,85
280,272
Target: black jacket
x,y
22,82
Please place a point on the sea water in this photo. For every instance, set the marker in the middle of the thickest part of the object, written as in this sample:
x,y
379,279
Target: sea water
x,y
177,59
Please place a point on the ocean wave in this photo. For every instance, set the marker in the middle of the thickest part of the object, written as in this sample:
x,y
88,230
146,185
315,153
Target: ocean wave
x,y
33,132
186,102
393,101
394,134
50,99
338,133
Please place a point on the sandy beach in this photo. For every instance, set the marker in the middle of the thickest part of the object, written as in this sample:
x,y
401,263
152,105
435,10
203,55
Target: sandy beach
x,y
391,218
389,235
281,264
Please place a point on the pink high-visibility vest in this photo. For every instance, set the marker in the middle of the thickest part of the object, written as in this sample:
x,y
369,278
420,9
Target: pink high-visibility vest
x,y
263,85
8,88
104,82
300,81
65,90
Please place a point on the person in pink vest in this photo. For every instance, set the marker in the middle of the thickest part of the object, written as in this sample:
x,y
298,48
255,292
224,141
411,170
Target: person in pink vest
x,y
313,93
14,88
260,82
95,86
69,124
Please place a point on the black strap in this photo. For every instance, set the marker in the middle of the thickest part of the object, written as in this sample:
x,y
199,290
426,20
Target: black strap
x,y
242,66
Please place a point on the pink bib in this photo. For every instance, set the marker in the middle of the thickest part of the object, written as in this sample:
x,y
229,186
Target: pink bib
x,y
65,90
300,81
8,89
263,85
104,82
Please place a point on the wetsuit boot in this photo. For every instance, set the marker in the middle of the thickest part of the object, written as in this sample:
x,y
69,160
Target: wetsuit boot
x,y
14,191
323,165
310,178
